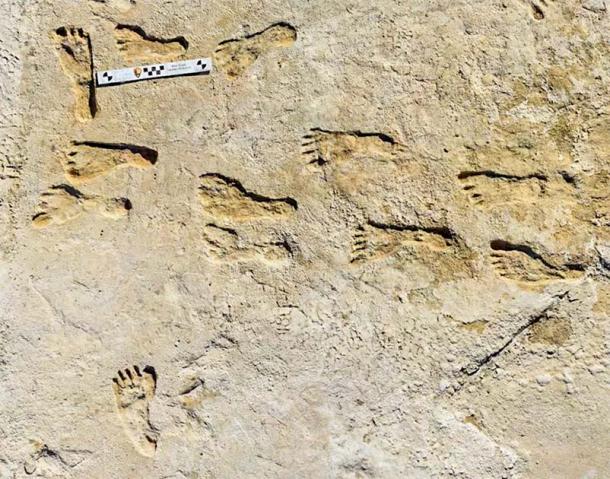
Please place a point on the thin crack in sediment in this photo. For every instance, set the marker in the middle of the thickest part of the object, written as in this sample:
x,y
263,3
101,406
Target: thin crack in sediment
x,y
473,369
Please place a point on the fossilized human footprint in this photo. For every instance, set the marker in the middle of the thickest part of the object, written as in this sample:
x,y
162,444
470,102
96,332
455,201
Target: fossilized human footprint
x,y
522,264
235,56
133,392
226,244
62,203
76,59
488,189
135,44
84,161
334,147
226,198
374,242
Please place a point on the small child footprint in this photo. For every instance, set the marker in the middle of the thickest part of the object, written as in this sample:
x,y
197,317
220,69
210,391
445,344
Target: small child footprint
x,y
133,392
235,56
62,203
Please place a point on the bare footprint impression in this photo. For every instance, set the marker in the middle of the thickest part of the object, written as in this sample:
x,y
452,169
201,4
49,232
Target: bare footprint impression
x,y
227,244
522,264
226,198
235,56
373,242
61,204
322,147
85,161
135,44
76,59
489,189
134,389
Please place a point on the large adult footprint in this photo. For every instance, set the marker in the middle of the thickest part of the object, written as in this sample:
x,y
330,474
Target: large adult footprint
x,y
133,392
62,204
235,56
87,160
76,59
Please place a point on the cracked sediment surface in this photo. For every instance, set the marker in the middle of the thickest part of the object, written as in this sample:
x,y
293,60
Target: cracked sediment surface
x,y
373,243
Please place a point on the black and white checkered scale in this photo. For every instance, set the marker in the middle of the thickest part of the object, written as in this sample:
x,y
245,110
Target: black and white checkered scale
x,y
184,67
154,70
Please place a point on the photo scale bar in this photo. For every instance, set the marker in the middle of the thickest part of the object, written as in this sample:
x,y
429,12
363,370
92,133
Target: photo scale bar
x,y
197,66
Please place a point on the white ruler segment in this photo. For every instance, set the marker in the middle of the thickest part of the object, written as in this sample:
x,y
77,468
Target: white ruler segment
x,y
198,66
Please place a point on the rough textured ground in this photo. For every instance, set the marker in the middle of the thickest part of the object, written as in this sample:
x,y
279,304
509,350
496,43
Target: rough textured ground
x,y
373,243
